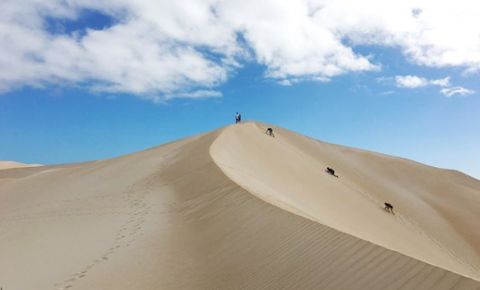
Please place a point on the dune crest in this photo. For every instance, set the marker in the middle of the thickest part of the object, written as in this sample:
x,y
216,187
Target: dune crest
x,y
436,211
14,164
169,218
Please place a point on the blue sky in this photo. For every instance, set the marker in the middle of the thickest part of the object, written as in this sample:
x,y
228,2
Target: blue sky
x,y
90,84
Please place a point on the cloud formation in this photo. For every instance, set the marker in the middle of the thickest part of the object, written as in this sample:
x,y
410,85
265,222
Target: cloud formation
x,y
161,49
412,81
454,91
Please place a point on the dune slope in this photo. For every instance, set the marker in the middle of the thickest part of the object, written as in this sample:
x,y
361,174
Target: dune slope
x,y
169,218
436,211
13,164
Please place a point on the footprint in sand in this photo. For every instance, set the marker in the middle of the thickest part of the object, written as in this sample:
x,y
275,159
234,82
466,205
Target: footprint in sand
x,y
133,224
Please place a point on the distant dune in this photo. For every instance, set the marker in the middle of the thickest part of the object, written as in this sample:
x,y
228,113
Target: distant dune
x,y
237,209
13,164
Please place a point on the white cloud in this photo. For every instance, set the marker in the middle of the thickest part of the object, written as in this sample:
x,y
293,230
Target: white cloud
x,y
133,56
157,49
445,82
432,33
453,91
200,94
411,81
292,81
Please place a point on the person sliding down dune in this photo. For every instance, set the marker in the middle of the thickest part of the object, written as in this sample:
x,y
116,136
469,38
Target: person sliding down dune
x,y
331,171
269,132
389,207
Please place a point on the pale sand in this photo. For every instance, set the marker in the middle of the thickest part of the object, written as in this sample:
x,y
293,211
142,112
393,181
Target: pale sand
x,y
168,218
13,164
437,211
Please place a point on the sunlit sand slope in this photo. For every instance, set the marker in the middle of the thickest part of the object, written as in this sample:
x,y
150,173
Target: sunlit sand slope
x,y
169,218
437,212
13,164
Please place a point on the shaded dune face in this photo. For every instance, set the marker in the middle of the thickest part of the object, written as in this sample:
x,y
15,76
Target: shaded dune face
x,y
436,211
170,218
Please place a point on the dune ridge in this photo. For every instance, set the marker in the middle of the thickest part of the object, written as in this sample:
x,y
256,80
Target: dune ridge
x,y
169,218
435,209
14,164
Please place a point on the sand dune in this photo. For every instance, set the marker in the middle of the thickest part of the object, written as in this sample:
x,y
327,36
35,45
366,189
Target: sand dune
x,y
437,211
236,209
13,164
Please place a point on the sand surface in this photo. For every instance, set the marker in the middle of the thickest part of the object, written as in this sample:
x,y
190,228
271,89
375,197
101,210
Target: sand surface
x,y
236,209
13,164
437,212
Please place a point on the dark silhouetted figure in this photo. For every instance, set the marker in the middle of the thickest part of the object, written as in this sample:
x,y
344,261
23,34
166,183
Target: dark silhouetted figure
x,y
388,207
238,118
269,132
330,171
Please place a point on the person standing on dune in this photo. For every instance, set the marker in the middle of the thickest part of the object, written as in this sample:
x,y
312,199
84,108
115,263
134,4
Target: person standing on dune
x,y
238,118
